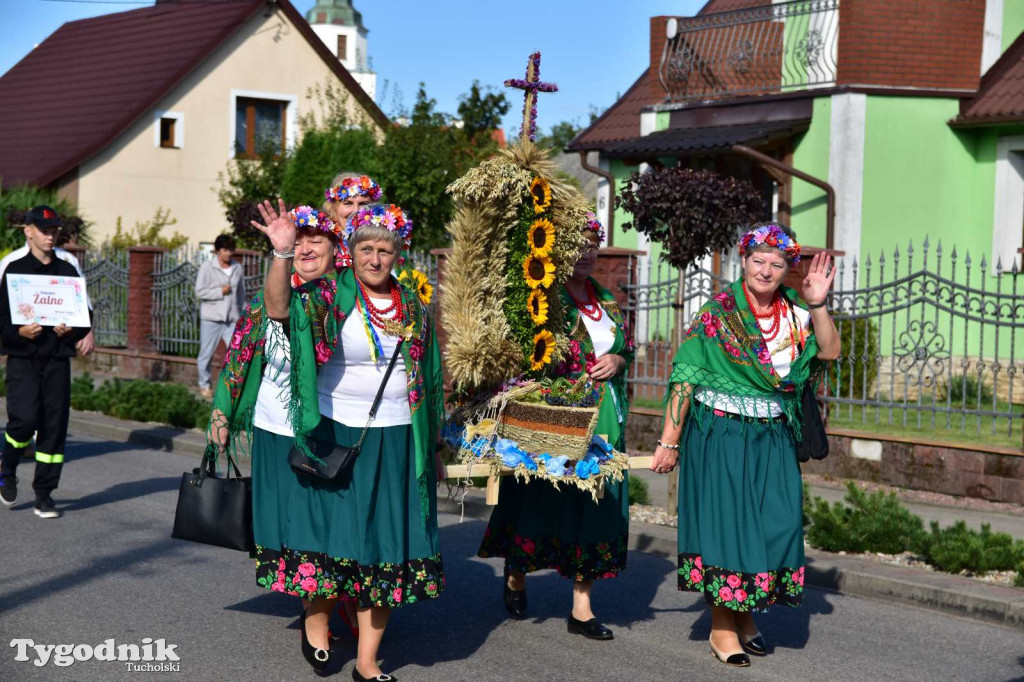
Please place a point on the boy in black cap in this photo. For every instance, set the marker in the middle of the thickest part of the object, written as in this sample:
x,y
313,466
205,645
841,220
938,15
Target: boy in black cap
x,y
38,372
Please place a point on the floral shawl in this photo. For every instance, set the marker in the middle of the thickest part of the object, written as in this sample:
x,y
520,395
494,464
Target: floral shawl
x,y
725,351
581,358
318,311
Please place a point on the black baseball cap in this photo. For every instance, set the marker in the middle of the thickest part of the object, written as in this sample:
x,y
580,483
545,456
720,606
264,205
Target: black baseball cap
x,y
43,217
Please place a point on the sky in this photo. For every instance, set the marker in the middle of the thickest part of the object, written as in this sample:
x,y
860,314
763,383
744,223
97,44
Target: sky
x,y
593,49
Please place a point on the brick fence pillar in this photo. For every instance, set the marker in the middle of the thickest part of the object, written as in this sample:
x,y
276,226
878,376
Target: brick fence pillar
x,y
141,265
615,269
76,250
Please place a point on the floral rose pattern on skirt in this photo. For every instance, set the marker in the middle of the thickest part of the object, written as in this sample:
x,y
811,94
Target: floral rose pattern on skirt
x,y
741,591
313,575
592,561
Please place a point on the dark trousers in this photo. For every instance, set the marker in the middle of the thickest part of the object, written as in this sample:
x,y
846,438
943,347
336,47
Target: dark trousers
x,y
38,402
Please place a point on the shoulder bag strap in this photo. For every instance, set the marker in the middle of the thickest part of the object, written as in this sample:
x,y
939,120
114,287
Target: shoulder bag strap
x,y
380,394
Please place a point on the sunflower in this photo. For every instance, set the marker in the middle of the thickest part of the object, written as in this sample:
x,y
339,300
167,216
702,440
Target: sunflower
x,y
541,237
538,271
541,191
418,282
537,304
543,347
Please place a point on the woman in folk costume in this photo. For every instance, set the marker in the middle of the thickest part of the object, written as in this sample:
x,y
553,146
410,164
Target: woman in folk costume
x,y
348,191
537,526
343,330
733,419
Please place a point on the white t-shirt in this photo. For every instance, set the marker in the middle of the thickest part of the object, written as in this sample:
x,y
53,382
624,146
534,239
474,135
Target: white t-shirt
x,y
348,382
275,390
781,349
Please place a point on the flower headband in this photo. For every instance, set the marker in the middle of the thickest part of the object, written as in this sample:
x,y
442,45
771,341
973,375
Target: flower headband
x,y
349,188
771,235
594,225
391,218
309,218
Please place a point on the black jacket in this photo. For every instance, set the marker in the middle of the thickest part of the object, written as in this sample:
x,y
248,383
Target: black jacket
x,y
47,344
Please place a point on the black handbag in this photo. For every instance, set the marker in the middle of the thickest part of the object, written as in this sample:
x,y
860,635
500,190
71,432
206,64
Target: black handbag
x,y
214,510
333,458
813,441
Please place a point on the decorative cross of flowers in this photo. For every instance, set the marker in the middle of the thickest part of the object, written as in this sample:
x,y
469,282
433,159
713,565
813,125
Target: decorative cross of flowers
x,y
531,85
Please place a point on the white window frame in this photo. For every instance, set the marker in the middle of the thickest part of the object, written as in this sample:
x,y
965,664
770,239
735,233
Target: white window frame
x,y
1008,217
179,128
291,114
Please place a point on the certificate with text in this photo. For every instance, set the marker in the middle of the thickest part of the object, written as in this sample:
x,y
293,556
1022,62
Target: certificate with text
x,y
48,300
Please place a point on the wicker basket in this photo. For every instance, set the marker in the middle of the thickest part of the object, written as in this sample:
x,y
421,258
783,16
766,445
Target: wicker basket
x,y
541,428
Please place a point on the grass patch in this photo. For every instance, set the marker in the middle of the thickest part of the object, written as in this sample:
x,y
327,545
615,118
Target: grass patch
x,y
933,425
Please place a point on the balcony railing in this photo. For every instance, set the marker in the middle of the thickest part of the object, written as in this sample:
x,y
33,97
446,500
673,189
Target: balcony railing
x,y
761,50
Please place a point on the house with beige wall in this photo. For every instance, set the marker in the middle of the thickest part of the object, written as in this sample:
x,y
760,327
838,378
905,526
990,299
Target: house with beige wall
x,y
132,111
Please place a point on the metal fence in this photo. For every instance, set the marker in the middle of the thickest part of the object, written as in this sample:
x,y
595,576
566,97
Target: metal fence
x,y
175,306
930,339
175,309
771,48
106,276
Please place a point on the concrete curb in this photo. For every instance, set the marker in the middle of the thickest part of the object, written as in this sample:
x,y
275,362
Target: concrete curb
x,y
936,591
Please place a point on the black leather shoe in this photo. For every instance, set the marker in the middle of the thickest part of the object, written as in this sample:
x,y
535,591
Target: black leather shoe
x,y
383,677
754,644
737,660
317,658
590,629
515,600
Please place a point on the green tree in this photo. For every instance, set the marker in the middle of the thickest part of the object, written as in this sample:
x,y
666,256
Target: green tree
x,y
418,162
560,136
243,184
481,110
147,233
15,203
331,142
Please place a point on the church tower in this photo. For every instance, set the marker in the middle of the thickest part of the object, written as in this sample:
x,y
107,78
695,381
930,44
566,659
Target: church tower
x,y
340,26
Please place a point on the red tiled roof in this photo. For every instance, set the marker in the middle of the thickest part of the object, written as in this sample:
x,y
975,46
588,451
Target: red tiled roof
x,y
91,79
717,6
621,121
1000,99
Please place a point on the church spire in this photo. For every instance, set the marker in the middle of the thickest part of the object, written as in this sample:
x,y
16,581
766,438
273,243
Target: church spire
x,y
336,12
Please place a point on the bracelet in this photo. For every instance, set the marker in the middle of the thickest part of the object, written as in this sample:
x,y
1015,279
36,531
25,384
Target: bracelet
x,y
284,254
667,446
815,307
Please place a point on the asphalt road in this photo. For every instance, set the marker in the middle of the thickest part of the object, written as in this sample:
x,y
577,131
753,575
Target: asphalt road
x,y
109,569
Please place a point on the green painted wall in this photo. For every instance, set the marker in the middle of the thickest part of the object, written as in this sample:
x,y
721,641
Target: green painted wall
x,y
922,178
810,155
1013,21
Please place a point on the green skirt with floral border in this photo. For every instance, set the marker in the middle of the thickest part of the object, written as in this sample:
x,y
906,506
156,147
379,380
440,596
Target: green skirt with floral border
x,y
361,535
741,540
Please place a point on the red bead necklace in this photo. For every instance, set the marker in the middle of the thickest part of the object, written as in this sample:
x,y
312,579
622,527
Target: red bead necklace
x,y
591,308
775,313
378,316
